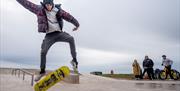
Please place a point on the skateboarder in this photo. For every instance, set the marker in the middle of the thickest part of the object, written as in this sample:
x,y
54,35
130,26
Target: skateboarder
x,y
50,21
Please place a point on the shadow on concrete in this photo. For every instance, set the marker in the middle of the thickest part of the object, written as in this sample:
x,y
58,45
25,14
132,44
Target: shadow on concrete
x,y
157,86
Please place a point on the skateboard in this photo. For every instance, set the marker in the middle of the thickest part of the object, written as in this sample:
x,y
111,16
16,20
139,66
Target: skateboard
x,y
52,78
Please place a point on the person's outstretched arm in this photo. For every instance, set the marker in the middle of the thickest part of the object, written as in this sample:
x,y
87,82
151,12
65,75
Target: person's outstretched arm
x,y
66,16
29,5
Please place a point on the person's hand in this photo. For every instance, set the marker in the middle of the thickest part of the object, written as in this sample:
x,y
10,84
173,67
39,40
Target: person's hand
x,y
75,29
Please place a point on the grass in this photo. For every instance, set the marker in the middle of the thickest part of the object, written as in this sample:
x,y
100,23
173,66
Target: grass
x,y
119,76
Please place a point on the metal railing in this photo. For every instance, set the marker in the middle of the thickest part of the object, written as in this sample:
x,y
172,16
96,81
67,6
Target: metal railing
x,y
24,72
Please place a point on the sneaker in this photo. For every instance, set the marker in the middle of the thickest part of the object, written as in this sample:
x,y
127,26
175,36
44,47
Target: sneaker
x,y
136,78
74,63
171,79
38,77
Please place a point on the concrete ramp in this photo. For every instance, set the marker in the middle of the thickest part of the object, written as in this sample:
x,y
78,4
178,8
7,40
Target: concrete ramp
x,y
97,83
89,82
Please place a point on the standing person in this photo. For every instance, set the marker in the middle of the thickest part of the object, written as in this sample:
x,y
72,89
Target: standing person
x,y
50,21
167,63
145,66
148,67
136,70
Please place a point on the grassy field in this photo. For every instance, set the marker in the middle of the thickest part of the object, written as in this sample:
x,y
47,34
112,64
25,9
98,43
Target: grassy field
x,y
119,76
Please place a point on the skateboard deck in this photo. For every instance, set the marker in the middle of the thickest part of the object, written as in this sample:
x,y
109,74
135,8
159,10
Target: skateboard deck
x,y
52,78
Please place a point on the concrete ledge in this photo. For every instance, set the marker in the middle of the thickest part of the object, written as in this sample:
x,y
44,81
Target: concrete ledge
x,y
72,78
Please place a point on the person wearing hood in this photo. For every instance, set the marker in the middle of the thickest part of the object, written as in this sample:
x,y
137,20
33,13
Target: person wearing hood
x,y
50,18
136,70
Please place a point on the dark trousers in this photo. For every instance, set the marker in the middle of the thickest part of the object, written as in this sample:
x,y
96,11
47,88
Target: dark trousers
x,y
150,73
52,38
138,76
168,72
145,70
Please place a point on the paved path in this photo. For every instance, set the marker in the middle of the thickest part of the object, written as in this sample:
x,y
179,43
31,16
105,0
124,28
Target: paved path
x,y
91,83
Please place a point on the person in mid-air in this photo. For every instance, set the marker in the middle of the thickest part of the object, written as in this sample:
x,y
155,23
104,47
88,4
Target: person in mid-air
x,y
50,21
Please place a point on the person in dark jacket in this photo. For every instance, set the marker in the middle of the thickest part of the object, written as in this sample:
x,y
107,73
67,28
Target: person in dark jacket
x,y
50,21
148,67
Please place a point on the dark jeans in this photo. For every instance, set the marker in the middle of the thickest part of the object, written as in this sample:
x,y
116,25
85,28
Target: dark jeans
x,y
52,38
150,73
168,72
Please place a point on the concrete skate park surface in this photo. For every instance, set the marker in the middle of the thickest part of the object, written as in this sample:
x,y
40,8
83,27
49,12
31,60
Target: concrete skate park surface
x,y
90,83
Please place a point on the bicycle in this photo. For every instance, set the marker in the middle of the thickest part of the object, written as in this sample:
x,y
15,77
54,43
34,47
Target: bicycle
x,y
174,73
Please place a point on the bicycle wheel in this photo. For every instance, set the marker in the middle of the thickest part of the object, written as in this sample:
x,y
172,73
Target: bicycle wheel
x,y
175,74
162,75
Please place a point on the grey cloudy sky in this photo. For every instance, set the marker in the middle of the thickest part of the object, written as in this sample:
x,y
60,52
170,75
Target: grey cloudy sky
x,y
112,33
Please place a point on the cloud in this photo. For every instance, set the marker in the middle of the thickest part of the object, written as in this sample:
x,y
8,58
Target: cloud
x,y
111,32
100,57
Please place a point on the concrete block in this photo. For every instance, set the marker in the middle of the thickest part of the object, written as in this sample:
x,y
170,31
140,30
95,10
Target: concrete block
x,y
72,78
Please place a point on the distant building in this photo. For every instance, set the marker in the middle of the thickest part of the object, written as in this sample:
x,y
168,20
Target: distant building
x,y
96,73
